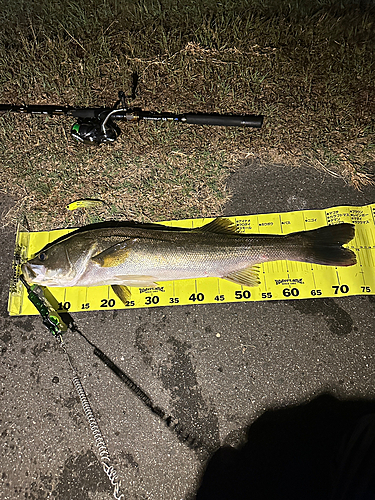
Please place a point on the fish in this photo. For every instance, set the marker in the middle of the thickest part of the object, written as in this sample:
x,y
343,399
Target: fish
x,y
131,254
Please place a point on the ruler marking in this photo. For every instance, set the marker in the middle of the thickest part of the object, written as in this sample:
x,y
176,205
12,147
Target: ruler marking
x,y
363,277
313,277
372,211
371,255
338,276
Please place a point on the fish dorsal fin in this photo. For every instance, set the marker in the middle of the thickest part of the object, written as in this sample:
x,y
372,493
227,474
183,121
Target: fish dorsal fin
x,y
220,225
114,255
122,292
248,276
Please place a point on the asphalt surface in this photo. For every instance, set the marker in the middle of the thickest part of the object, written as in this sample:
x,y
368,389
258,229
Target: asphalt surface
x,y
214,368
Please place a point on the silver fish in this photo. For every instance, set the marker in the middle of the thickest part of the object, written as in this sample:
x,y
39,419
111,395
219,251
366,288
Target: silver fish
x,y
132,254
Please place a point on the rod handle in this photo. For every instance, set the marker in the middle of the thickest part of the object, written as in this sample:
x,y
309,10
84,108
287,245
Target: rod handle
x,y
255,121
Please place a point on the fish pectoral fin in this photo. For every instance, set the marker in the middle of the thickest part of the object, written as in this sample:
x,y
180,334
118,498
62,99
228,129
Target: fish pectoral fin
x,y
122,292
248,276
114,255
220,225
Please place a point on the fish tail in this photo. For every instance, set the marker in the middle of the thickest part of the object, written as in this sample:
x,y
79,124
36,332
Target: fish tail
x,y
324,245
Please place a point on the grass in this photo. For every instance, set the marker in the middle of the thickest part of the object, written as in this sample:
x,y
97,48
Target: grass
x,y
307,66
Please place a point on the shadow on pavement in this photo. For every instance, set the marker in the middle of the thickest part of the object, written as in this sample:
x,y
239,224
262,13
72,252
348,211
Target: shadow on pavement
x,y
324,449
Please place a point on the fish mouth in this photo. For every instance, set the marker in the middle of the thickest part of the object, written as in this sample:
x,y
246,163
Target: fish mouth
x,y
40,275
28,272
34,273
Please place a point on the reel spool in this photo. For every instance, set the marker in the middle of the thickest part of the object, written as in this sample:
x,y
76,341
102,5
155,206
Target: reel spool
x,y
91,131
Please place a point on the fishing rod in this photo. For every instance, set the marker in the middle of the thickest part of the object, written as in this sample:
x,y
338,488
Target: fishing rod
x,y
97,125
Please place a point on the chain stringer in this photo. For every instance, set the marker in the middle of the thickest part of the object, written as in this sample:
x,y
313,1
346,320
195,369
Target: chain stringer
x,y
105,459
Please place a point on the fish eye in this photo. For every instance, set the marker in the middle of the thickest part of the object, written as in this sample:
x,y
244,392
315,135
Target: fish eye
x,y
42,256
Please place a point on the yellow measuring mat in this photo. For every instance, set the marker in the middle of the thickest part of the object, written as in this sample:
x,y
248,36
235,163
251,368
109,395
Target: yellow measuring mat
x,y
279,280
